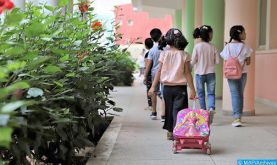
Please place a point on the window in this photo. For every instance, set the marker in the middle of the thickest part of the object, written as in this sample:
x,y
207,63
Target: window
x,y
263,22
135,9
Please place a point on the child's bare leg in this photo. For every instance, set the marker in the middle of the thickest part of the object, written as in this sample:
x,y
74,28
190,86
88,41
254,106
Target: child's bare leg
x,y
153,115
154,102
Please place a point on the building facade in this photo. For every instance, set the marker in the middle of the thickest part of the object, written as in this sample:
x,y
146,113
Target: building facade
x,y
257,16
136,25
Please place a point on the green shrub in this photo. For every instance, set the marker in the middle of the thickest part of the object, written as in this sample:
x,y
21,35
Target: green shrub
x,y
126,67
55,79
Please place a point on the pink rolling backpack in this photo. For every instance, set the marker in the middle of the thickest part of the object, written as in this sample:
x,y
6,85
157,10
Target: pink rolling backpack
x,y
192,123
192,130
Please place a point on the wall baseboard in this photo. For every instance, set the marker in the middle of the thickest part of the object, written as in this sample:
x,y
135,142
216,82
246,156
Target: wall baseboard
x,y
245,113
265,101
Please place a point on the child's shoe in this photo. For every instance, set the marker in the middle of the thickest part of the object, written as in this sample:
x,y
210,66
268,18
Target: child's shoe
x,y
169,136
162,118
153,115
236,123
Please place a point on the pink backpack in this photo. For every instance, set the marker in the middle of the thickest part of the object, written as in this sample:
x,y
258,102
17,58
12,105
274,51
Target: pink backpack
x,y
232,68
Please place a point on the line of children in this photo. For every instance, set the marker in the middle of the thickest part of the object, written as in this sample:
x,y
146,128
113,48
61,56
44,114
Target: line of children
x,y
173,71
152,64
205,56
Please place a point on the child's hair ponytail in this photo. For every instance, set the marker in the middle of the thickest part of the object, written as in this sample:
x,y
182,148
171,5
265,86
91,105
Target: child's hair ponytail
x,y
162,43
181,43
174,37
235,32
203,32
196,33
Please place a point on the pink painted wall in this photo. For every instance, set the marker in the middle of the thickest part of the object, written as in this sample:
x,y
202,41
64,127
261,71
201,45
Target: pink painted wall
x,y
266,75
266,62
142,24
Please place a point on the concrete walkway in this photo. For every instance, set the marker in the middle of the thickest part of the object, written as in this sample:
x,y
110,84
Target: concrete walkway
x,y
134,139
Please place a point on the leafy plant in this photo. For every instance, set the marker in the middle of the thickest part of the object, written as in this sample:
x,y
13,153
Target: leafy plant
x,y
123,75
55,79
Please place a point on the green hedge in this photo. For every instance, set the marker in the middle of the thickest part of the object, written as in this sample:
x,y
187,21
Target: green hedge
x,y
55,79
123,76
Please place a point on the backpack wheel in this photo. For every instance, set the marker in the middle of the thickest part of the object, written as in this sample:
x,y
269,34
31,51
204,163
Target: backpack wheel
x,y
209,151
174,150
174,147
208,148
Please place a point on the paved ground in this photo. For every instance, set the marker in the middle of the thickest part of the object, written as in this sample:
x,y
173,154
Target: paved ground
x,y
134,139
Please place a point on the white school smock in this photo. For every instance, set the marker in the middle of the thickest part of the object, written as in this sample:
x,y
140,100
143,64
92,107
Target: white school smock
x,y
204,57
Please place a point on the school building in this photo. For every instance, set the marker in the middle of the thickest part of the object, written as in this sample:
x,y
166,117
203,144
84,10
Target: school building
x,y
259,19
133,139
135,25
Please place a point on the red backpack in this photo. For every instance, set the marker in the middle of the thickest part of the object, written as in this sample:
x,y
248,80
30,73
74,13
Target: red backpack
x,y
232,68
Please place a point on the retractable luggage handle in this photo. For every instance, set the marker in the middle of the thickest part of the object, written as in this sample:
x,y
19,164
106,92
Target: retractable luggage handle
x,y
194,104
